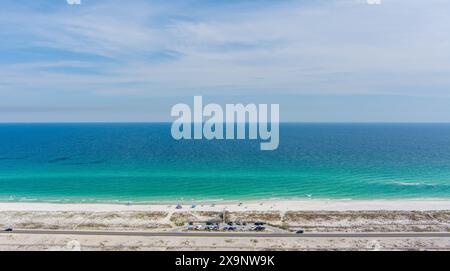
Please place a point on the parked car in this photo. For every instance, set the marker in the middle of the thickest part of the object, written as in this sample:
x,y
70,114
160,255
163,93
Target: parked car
x,y
8,229
299,232
259,228
198,227
230,228
259,223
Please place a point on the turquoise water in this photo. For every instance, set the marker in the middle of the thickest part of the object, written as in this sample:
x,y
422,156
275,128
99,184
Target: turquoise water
x,y
141,162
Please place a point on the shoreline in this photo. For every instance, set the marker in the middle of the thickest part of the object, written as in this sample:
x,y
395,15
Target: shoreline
x,y
235,205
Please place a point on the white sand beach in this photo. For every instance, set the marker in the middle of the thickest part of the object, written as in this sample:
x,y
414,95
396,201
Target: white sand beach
x,y
241,206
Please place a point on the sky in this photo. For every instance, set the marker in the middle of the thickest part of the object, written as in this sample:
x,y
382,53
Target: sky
x,y
322,61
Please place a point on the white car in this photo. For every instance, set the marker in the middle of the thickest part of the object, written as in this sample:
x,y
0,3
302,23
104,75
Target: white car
x,y
198,227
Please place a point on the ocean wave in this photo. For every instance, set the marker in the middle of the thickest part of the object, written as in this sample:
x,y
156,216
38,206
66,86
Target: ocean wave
x,y
58,159
97,162
415,184
11,158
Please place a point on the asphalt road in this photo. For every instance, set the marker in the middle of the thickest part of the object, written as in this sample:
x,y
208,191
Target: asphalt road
x,y
235,234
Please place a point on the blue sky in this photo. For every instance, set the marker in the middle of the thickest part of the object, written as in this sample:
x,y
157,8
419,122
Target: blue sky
x,y
324,61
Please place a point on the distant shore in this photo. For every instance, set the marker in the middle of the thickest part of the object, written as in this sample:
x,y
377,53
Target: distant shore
x,y
239,206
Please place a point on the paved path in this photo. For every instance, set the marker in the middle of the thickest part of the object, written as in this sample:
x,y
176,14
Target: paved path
x,y
235,234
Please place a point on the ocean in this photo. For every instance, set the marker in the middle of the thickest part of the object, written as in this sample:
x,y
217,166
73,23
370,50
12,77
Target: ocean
x,y
138,162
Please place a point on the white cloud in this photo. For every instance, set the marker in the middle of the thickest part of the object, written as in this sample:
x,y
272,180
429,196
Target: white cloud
x,y
74,2
374,2
322,47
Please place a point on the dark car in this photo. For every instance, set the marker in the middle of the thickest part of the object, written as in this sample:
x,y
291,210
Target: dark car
x,y
230,223
259,223
299,232
8,229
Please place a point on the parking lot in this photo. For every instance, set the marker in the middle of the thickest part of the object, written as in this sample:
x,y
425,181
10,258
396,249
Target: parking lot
x,y
229,226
